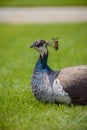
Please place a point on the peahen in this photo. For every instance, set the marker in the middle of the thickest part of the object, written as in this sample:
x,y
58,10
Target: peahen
x,y
68,85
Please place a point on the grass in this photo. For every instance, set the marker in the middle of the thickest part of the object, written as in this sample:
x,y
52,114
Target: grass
x,y
19,110
30,3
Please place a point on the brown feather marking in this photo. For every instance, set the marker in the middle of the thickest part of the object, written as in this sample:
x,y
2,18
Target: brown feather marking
x,y
56,45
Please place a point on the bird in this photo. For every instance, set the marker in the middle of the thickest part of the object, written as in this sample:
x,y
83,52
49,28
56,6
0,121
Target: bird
x,y
65,86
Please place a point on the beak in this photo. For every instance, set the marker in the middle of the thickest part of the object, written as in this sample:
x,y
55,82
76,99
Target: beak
x,y
31,46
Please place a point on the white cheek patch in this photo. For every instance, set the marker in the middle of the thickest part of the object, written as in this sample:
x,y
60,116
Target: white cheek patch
x,y
61,95
42,50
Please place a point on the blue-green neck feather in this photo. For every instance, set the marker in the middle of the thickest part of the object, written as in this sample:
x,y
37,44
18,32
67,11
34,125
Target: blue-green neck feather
x,y
41,64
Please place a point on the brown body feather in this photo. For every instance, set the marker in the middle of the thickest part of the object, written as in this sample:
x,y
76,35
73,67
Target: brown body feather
x,y
74,82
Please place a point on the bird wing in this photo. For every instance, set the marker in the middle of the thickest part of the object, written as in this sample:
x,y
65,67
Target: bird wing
x,y
74,82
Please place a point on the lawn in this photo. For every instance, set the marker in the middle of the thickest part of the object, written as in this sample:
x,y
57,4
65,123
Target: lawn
x,y
19,110
29,3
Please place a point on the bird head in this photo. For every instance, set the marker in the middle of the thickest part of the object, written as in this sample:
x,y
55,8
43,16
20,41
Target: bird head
x,y
41,45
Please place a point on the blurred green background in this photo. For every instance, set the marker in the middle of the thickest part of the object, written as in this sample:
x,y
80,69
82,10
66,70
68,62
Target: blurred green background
x,y
29,3
19,110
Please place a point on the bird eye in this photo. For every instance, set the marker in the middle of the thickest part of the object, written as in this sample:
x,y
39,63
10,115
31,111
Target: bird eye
x,y
39,43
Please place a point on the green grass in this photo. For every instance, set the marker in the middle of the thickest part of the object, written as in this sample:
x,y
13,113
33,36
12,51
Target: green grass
x,y
43,3
19,110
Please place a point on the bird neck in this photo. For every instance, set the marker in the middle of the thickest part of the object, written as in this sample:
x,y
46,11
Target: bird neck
x,y
41,64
